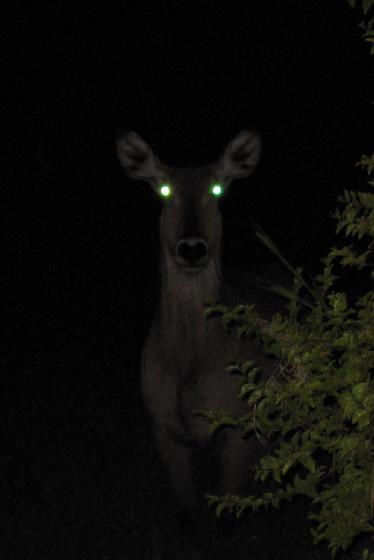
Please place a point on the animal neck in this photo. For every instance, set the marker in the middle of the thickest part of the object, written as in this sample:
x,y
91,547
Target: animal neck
x,y
183,299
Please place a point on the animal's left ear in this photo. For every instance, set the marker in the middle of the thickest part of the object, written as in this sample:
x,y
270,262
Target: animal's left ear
x,y
240,157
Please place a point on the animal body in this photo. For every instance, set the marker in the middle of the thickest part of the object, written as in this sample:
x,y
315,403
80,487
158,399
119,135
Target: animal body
x,y
185,355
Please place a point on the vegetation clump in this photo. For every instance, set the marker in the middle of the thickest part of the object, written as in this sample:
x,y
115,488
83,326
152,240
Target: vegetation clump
x,y
319,406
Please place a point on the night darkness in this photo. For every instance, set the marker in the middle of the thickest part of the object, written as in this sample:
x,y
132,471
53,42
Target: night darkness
x,y
81,477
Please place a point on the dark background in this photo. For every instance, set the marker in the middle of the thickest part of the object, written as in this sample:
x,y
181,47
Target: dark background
x,y
81,477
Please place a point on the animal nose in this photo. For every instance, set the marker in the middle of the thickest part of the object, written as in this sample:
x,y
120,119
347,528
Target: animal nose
x,y
192,250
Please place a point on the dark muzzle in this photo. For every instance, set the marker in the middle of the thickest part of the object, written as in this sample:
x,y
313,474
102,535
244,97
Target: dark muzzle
x,y
191,253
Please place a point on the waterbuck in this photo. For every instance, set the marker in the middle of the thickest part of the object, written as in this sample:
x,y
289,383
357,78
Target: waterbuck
x,y
185,356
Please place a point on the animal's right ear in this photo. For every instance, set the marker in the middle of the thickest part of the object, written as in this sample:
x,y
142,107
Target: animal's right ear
x,y
137,157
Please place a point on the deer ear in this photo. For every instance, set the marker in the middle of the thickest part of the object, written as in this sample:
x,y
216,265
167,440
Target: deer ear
x,y
240,157
137,157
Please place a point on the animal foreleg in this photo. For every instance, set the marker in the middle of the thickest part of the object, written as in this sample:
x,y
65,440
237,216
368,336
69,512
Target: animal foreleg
x,y
178,461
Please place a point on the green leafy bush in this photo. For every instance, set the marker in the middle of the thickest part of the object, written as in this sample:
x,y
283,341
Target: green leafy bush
x,y
319,406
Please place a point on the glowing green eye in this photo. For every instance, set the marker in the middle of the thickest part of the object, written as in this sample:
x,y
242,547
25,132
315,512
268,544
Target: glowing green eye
x,y
216,189
165,190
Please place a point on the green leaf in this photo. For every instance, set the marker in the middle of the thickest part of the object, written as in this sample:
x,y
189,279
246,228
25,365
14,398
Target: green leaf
x,y
368,401
220,508
348,444
277,475
365,554
359,391
309,463
286,467
349,405
361,417
255,396
247,388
